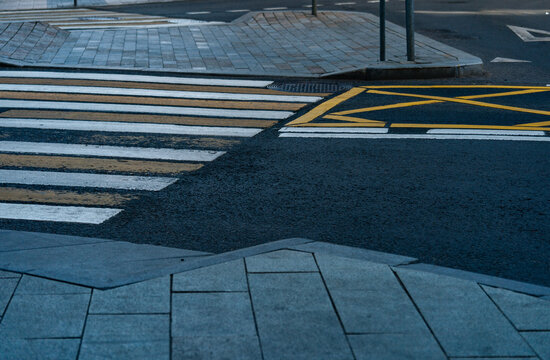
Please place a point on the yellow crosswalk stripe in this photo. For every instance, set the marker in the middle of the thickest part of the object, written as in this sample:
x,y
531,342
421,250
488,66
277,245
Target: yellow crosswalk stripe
x,y
160,119
97,164
10,194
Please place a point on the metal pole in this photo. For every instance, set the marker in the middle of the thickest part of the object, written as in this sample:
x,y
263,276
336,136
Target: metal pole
x,y
382,30
313,7
75,3
409,14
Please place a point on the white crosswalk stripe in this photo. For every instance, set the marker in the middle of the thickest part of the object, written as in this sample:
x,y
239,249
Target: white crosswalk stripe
x,y
107,119
82,18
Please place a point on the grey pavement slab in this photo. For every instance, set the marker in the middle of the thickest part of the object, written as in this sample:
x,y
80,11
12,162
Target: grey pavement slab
x,y
369,298
43,349
395,347
9,275
295,317
540,342
243,347
281,261
525,312
45,316
7,288
126,337
462,317
355,253
287,44
147,297
32,285
21,240
228,276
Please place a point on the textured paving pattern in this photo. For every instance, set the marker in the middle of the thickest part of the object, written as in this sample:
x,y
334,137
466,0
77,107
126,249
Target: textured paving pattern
x,y
276,305
52,4
267,43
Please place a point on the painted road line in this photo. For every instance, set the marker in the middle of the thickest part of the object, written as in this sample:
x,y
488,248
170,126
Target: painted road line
x,y
111,99
155,93
135,78
11,194
127,127
276,8
54,178
198,12
96,164
335,130
463,126
71,214
486,132
154,86
415,136
117,117
151,109
326,106
108,151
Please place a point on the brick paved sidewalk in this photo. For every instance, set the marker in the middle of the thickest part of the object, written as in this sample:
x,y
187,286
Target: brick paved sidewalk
x,y
292,299
286,43
57,4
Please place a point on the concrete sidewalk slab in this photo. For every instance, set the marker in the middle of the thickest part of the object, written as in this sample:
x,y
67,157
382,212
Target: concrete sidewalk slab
x,y
271,43
291,304
61,4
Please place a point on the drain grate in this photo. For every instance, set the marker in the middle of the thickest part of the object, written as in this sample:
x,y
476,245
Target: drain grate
x,y
310,87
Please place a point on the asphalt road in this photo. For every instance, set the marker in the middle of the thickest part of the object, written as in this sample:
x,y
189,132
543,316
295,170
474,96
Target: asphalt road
x,y
481,206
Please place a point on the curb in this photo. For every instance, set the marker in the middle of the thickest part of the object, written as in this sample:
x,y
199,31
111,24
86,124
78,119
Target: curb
x,y
296,244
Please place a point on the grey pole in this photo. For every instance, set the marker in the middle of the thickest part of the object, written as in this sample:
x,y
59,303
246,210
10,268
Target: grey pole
x,y
409,14
382,30
75,3
313,7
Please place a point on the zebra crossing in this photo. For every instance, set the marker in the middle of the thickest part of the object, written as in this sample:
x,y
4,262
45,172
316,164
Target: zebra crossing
x,y
79,147
87,19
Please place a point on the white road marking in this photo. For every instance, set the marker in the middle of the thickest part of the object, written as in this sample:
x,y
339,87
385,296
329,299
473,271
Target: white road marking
x,y
70,214
308,6
508,60
156,93
527,34
486,132
335,130
147,109
135,78
55,178
237,11
276,8
415,136
127,127
198,12
345,3
109,151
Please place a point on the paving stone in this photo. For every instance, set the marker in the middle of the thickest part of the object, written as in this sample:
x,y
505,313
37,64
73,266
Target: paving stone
x,y
228,276
369,298
462,317
540,342
7,287
395,346
212,314
281,261
526,312
126,337
43,349
45,316
295,317
216,347
32,285
152,296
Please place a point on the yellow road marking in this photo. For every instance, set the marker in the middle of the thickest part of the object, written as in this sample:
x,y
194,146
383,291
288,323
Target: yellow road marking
x,y
63,197
326,106
428,102
455,87
542,123
460,126
463,101
260,105
159,119
354,119
96,164
153,86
